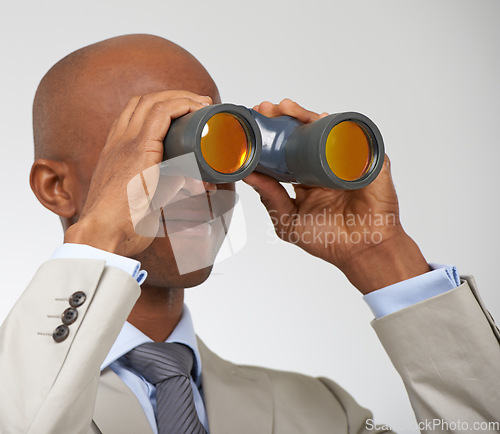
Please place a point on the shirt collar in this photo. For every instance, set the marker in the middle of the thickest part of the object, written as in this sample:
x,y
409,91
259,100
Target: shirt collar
x,y
130,337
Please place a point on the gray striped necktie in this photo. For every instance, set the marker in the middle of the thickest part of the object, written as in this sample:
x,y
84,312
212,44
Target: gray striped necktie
x,y
168,366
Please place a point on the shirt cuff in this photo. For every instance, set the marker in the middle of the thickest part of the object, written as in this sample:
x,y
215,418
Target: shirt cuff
x,y
395,297
82,251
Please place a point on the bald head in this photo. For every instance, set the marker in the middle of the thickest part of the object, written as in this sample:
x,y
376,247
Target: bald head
x,y
75,106
82,94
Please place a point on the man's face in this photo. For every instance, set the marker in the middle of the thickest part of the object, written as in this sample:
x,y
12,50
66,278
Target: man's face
x,y
195,227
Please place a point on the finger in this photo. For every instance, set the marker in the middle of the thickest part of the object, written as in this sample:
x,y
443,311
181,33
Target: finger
x,y
112,130
140,191
159,119
387,162
274,197
386,168
149,224
147,193
268,109
134,115
146,102
121,123
167,189
291,108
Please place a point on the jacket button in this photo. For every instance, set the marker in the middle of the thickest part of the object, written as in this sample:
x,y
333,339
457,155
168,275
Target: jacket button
x,y
69,316
77,299
60,333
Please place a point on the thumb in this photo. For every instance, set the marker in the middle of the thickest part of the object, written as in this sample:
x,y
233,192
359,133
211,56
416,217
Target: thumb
x,y
275,198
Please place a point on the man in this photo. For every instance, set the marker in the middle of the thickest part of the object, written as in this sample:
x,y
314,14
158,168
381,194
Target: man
x,y
100,116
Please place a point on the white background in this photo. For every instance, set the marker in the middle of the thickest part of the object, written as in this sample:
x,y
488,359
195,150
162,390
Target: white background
x,y
427,72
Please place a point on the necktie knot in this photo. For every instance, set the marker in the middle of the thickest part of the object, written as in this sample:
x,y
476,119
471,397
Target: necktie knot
x,y
168,366
159,361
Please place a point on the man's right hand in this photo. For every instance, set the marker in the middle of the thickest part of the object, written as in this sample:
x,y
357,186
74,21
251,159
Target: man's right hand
x,y
134,144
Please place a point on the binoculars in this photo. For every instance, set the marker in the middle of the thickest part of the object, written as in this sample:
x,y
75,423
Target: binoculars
x,y
343,151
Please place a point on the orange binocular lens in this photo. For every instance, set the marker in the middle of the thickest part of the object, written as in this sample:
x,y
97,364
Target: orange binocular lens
x,y
348,151
225,143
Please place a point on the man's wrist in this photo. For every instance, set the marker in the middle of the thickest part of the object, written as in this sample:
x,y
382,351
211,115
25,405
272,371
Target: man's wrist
x,y
394,260
87,232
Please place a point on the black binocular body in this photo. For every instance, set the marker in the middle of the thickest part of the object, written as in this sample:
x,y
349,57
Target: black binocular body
x,y
341,151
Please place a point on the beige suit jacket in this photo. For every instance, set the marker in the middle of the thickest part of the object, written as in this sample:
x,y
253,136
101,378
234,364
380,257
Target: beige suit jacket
x,y
446,350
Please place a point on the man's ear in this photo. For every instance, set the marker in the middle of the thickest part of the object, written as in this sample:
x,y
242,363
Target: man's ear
x,y
54,186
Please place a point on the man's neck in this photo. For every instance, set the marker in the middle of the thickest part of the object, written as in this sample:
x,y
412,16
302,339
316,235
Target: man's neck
x,y
157,311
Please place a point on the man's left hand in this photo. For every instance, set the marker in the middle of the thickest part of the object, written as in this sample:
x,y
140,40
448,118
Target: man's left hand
x,y
358,231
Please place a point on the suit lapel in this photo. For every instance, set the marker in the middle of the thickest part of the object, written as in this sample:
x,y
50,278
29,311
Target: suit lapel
x,y
236,399
117,409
